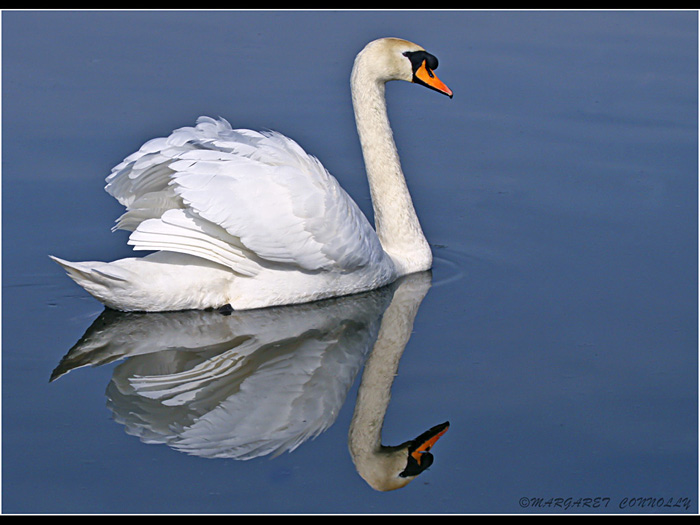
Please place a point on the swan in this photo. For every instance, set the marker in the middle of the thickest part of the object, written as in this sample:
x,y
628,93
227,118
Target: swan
x,y
246,219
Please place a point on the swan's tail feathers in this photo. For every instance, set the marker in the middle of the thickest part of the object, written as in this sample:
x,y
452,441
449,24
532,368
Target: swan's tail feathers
x,y
97,272
97,278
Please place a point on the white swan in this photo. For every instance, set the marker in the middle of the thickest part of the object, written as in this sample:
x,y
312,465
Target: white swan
x,y
248,219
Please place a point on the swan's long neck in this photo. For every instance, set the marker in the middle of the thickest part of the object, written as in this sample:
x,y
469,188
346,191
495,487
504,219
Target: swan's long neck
x,y
395,217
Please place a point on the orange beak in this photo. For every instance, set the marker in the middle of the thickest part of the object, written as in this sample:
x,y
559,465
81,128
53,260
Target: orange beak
x,y
429,438
428,77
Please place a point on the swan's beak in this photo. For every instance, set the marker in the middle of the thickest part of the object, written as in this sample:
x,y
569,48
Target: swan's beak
x,y
419,457
426,440
424,75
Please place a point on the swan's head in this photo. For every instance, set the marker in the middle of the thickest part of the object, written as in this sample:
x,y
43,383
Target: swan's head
x,y
388,59
394,467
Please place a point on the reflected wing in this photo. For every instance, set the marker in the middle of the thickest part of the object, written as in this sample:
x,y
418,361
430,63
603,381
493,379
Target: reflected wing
x,y
243,385
240,198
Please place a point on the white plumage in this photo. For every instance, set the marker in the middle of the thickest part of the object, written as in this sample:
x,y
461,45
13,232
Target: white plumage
x,y
250,219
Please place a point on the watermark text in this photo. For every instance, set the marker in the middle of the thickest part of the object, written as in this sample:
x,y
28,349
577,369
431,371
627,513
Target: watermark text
x,y
605,503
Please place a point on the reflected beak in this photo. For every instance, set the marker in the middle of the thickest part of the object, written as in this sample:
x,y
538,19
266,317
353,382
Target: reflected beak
x,y
427,439
427,77
419,458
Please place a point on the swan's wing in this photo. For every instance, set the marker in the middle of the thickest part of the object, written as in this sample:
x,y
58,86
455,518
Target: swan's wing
x,y
228,195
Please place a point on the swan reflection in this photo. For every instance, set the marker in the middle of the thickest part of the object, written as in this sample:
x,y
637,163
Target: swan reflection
x,y
261,382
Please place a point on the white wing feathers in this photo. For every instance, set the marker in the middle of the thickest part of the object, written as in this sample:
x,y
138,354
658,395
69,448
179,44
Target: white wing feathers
x,y
241,198
178,230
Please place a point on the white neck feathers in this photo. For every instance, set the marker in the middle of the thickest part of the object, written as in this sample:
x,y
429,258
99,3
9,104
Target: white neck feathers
x,y
395,218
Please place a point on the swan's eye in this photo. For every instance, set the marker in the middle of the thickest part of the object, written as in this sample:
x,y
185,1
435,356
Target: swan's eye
x,y
418,57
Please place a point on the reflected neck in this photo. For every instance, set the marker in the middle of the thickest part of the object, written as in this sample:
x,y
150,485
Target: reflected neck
x,y
379,465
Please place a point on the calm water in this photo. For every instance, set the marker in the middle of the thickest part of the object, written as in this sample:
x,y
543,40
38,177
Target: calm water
x,y
558,332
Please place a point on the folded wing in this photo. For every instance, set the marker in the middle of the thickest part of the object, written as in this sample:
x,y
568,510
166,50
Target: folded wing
x,y
241,198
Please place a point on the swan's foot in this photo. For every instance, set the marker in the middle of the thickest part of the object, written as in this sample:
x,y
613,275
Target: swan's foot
x,y
226,309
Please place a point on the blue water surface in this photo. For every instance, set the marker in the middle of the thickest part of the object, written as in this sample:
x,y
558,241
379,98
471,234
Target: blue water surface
x,y
558,333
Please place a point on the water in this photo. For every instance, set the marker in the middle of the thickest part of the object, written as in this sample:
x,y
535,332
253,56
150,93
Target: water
x,y
558,335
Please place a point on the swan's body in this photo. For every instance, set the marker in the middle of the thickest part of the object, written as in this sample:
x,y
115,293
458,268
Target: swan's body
x,y
250,220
